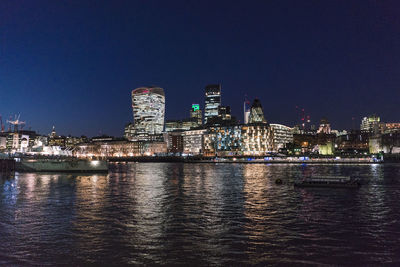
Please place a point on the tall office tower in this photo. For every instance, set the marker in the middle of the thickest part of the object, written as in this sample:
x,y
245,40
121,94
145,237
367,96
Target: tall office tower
x,y
256,112
370,124
213,101
195,113
148,104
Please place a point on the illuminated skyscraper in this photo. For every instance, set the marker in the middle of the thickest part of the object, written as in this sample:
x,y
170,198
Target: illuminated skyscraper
x,y
256,113
213,101
148,104
195,113
370,124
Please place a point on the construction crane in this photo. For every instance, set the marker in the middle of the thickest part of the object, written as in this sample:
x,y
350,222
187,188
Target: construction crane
x,y
303,117
16,122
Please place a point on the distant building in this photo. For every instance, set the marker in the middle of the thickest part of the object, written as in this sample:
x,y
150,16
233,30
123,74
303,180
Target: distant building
x,y
324,126
282,135
120,148
56,140
181,125
193,141
148,105
370,124
195,113
238,140
257,140
212,101
174,142
3,142
224,112
20,141
256,112
72,141
223,141
353,142
390,127
173,125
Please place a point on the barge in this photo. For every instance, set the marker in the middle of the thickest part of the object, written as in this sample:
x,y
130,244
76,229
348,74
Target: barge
x,y
328,181
60,165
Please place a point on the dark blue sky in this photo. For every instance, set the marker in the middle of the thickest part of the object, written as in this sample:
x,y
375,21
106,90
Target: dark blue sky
x,y
73,64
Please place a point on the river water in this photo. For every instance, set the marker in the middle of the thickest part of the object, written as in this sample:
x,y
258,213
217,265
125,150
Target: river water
x,y
200,214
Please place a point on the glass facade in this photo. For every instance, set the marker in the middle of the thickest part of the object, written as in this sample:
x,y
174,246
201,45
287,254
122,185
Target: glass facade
x,y
213,101
282,135
238,140
256,113
257,140
148,104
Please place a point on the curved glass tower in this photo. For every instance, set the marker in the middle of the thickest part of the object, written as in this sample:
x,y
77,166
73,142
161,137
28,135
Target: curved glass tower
x,y
257,113
148,104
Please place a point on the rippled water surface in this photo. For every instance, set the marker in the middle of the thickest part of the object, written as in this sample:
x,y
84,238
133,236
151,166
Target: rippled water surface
x,y
202,214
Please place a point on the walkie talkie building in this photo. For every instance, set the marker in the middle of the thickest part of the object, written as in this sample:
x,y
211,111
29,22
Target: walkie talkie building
x,y
148,104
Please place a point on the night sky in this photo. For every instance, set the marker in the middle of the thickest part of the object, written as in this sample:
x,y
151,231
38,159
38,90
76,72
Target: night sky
x,y
73,64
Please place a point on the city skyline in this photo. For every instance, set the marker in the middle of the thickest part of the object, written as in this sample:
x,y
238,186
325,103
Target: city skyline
x,y
73,65
199,132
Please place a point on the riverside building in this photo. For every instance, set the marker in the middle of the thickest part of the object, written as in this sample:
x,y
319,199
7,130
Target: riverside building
x,y
193,141
120,148
282,135
238,140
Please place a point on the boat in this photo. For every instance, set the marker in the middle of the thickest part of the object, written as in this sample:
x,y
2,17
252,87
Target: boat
x,y
328,181
60,165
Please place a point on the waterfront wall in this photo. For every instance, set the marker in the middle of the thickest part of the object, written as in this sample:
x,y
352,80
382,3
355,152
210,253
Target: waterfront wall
x,y
266,160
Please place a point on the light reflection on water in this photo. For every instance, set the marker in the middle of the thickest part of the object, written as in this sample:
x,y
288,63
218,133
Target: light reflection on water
x,y
208,214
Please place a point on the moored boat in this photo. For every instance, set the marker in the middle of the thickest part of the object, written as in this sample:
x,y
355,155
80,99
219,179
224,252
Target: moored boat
x,y
61,165
328,181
